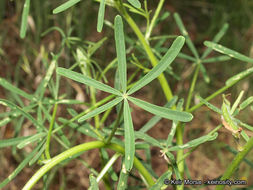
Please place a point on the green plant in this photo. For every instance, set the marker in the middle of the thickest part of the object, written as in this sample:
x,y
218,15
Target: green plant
x,y
109,137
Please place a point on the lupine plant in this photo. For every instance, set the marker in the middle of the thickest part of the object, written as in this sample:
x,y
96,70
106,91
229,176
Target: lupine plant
x,y
120,136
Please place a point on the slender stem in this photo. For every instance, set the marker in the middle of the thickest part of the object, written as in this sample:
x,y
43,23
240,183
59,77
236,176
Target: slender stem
x,y
193,83
236,162
81,148
152,24
116,124
47,151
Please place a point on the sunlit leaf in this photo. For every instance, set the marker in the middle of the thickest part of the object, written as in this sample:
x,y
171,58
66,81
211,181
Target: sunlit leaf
x,y
227,51
101,13
239,76
160,181
101,109
129,137
167,59
161,111
65,6
24,18
122,184
195,142
135,3
121,51
33,138
86,80
4,83
216,39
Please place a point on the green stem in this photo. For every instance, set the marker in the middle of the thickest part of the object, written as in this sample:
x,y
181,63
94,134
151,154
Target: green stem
x,y
236,162
47,151
116,124
193,83
152,24
81,148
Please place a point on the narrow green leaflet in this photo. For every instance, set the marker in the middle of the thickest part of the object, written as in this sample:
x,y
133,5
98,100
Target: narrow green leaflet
x,y
216,39
152,141
203,70
12,141
212,107
246,102
154,120
185,56
24,19
42,87
135,3
4,83
186,35
161,111
239,76
174,164
160,181
236,103
101,109
38,155
227,51
121,51
216,59
21,111
65,6
122,184
86,80
161,66
108,166
5,121
174,124
33,138
20,167
93,183
129,137
195,142
101,14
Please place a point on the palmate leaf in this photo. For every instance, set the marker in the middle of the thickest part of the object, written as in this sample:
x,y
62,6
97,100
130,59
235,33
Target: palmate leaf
x,y
121,51
161,111
101,14
161,66
101,109
65,6
129,137
24,18
86,80
227,51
